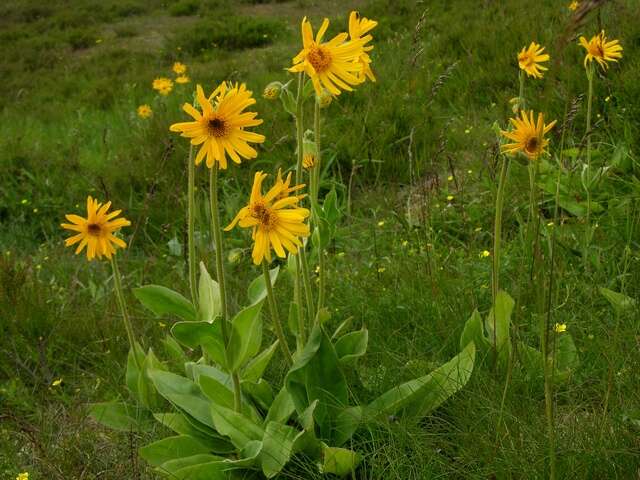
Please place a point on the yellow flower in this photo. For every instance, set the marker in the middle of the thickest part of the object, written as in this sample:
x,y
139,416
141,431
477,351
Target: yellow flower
x,y
57,382
96,232
560,327
182,79
528,136
334,64
309,154
144,111
179,68
358,29
23,476
450,197
220,128
573,6
602,51
529,60
277,222
163,85
485,254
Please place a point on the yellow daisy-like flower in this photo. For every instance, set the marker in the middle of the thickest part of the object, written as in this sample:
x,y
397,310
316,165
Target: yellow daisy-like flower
x,y
182,79
275,218
179,68
23,476
358,30
331,64
220,128
163,85
560,327
528,136
96,232
601,50
529,60
144,111
573,6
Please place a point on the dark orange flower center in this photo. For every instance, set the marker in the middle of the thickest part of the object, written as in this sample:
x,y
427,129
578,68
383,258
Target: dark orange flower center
x,y
217,127
94,229
319,58
264,215
532,145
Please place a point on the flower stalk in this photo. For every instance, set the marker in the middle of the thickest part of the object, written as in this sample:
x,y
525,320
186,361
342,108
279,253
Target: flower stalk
x,y
315,188
273,307
497,238
117,282
191,227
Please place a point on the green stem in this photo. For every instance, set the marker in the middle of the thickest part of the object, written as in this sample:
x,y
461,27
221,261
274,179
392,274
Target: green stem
x,y
590,75
521,101
297,294
497,238
117,282
216,233
315,172
274,314
191,227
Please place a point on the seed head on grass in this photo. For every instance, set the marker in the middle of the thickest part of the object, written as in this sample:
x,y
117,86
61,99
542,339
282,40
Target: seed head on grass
x,y
96,232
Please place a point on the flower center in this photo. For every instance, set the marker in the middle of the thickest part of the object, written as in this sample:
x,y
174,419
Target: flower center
x,y
319,58
217,127
94,229
264,215
532,145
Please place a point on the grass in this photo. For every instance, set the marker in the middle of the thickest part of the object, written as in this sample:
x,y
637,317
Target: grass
x,y
73,76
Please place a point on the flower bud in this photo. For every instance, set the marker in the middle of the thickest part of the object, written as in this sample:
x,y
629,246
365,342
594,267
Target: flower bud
x,y
272,91
309,154
324,99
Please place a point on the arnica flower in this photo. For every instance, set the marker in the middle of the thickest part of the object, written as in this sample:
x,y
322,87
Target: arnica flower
x,y
528,136
179,68
358,29
334,64
182,79
96,232
144,111
276,219
220,128
163,85
529,60
602,51
573,6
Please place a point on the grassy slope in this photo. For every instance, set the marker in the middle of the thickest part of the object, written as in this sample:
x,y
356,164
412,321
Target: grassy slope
x,y
67,127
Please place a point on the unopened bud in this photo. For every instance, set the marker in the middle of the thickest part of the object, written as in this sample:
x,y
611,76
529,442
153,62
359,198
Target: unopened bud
x,y
272,91
309,154
324,99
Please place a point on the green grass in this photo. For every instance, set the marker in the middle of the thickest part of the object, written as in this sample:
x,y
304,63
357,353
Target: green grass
x,y
73,76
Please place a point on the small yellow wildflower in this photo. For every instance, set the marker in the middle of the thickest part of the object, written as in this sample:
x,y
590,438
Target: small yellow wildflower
x,y
381,269
179,68
530,59
144,111
601,50
405,243
163,85
35,210
560,327
57,382
485,254
24,201
381,223
450,178
449,198
182,79
573,6
23,476
162,324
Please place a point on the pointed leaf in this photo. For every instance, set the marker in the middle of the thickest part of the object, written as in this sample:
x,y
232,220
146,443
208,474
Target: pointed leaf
x,y
352,346
618,301
205,335
339,461
502,337
171,448
281,408
256,366
474,332
277,446
234,425
209,300
257,290
115,415
246,336
183,393
164,301
172,467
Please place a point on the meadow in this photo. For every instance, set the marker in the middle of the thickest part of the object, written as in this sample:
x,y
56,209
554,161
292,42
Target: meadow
x,y
515,278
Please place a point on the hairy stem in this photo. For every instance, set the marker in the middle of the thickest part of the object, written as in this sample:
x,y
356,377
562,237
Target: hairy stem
x,y
191,227
273,307
117,282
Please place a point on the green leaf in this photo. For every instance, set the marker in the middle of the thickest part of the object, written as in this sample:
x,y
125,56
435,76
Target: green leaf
x,y
205,471
146,391
503,308
257,290
343,327
183,393
566,357
347,422
216,391
205,335
293,318
618,301
277,447
234,425
260,391
246,336
115,415
281,408
171,448
426,393
474,332
339,461
183,425
531,360
172,467
132,374
174,350
164,301
209,300
316,374
352,346
258,364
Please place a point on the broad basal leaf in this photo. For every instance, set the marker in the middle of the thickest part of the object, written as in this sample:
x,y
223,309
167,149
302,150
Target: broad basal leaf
x,y
164,301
